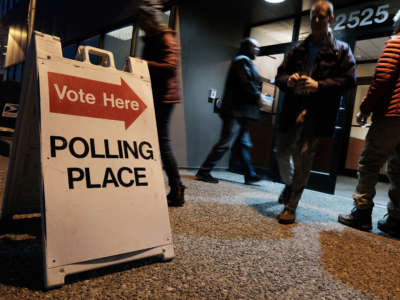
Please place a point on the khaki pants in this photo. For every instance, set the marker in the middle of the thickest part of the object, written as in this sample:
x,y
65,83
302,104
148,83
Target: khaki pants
x,y
381,144
295,159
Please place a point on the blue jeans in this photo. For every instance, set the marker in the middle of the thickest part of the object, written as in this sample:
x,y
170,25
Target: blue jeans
x,y
163,116
233,131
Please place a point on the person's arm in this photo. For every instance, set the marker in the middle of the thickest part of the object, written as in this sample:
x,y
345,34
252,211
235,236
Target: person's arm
x,y
346,77
386,73
168,65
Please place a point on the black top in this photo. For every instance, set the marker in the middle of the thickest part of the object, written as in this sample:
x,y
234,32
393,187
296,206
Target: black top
x,y
242,89
335,70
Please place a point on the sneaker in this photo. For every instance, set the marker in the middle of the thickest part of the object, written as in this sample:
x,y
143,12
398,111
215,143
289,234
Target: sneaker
x,y
176,197
287,216
252,179
389,226
206,176
358,218
285,195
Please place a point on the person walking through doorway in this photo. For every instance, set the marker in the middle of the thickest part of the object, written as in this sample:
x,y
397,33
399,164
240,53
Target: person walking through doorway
x,y
240,104
314,75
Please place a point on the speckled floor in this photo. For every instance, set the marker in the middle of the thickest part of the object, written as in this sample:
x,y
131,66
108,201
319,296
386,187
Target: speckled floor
x,y
228,245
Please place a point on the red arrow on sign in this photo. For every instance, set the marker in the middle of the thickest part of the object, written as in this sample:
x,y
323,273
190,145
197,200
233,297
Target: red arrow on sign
x,y
73,95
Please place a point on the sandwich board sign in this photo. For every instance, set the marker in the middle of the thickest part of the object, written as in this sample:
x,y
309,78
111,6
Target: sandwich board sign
x,y
102,194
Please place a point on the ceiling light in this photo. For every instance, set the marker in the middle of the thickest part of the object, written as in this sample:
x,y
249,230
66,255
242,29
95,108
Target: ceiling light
x,y
274,1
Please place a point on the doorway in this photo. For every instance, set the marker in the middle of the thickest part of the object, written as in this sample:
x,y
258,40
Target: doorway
x,y
366,52
264,132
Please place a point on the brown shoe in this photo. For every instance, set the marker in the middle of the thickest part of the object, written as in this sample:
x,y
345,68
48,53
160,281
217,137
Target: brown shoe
x,y
287,216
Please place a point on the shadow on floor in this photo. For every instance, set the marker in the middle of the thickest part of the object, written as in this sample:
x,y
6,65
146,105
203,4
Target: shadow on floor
x,y
21,253
29,225
21,257
267,209
303,214
91,274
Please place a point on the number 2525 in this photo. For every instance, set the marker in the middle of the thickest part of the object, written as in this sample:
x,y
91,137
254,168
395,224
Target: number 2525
x,y
363,17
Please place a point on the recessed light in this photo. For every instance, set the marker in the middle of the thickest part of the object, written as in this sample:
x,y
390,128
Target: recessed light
x,y
274,1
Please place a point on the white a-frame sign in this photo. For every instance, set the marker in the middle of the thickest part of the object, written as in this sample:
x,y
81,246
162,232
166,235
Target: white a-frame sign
x,y
102,194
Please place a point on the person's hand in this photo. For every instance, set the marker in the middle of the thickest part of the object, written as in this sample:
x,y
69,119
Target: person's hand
x,y
301,116
293,79
362,118
306,85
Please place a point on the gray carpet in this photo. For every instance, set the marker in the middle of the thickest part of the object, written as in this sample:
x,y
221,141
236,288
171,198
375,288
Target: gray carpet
x,y
228,245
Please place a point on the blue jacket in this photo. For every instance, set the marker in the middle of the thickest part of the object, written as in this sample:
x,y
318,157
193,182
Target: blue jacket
x,y
242,89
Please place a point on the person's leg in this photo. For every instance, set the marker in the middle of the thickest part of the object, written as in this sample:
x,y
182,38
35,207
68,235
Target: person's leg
x,y
229,132
391,224
393,172
235,163
285,146
244,146
378,145
163,116
303,158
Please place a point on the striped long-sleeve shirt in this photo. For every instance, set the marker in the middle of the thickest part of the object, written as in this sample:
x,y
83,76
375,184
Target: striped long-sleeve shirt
x,y
383,97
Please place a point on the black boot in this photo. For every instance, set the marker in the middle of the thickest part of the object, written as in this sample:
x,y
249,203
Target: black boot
x,y
176,196
358,218
206,176
389,226
250,179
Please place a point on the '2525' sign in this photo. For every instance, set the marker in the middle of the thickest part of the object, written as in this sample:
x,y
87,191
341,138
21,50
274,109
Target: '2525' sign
x,y
360,18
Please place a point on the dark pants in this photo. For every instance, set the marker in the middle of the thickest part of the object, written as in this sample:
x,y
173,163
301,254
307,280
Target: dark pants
x,y
295,158
163,116
381,144
233,130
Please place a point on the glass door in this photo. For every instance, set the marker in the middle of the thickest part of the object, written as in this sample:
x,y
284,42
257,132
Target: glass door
x,y
275,39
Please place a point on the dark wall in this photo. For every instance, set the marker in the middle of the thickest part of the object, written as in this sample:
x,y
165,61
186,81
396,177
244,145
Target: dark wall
x,y
73,20
210,36
263,12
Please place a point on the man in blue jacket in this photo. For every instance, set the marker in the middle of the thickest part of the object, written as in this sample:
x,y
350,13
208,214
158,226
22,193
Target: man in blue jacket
x,y
240,103
314,75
